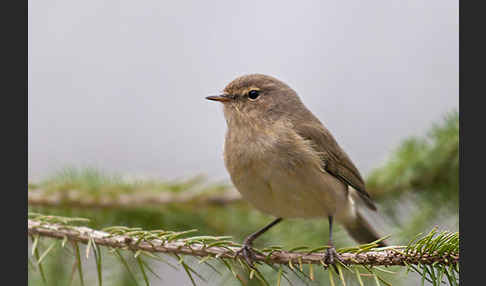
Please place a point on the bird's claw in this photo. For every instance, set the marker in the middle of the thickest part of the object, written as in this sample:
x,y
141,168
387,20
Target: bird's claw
x,y
248,254
332,256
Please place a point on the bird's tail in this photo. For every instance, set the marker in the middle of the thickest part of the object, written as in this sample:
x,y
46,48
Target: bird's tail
x,y
361,230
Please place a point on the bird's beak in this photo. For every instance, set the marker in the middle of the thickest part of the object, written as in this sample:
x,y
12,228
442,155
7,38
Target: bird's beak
x,y
221,98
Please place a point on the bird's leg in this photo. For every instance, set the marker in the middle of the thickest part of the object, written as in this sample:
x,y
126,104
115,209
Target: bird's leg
x,y
246,250
331,253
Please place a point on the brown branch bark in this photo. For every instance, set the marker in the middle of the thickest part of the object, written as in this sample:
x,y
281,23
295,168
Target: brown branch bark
x,y
83,234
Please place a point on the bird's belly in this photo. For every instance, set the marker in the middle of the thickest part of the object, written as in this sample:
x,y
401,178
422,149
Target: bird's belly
x,y
281,192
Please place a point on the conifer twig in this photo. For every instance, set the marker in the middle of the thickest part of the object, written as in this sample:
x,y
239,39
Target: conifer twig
x,y
39,198
169,242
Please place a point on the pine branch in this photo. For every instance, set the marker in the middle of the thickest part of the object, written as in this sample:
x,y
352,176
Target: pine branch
x,y
92,188
169,242
124,201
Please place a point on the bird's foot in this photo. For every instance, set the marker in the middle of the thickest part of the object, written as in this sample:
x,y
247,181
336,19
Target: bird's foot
x,y
248,254
332,256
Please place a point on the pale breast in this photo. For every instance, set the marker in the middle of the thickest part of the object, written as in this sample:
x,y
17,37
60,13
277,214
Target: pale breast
x,y
279,173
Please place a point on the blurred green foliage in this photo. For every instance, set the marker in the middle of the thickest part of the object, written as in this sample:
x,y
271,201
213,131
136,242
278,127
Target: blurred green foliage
x,y
417,188
96,183
427,165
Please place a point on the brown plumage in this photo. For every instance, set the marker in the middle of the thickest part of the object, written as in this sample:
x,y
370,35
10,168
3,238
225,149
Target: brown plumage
x,y
285,162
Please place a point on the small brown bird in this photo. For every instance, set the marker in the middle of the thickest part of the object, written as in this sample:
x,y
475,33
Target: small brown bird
x,y
284,161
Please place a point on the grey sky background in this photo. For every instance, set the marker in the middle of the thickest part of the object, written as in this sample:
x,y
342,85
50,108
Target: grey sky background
x,y
120,85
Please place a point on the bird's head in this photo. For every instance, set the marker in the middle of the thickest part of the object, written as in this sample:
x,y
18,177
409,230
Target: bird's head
x,y
257,98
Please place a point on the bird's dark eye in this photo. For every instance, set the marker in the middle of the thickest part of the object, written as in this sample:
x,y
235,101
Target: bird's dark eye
x,y
253,94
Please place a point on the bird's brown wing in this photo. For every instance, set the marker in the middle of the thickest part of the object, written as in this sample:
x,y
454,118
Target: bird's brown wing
x,y
334,159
